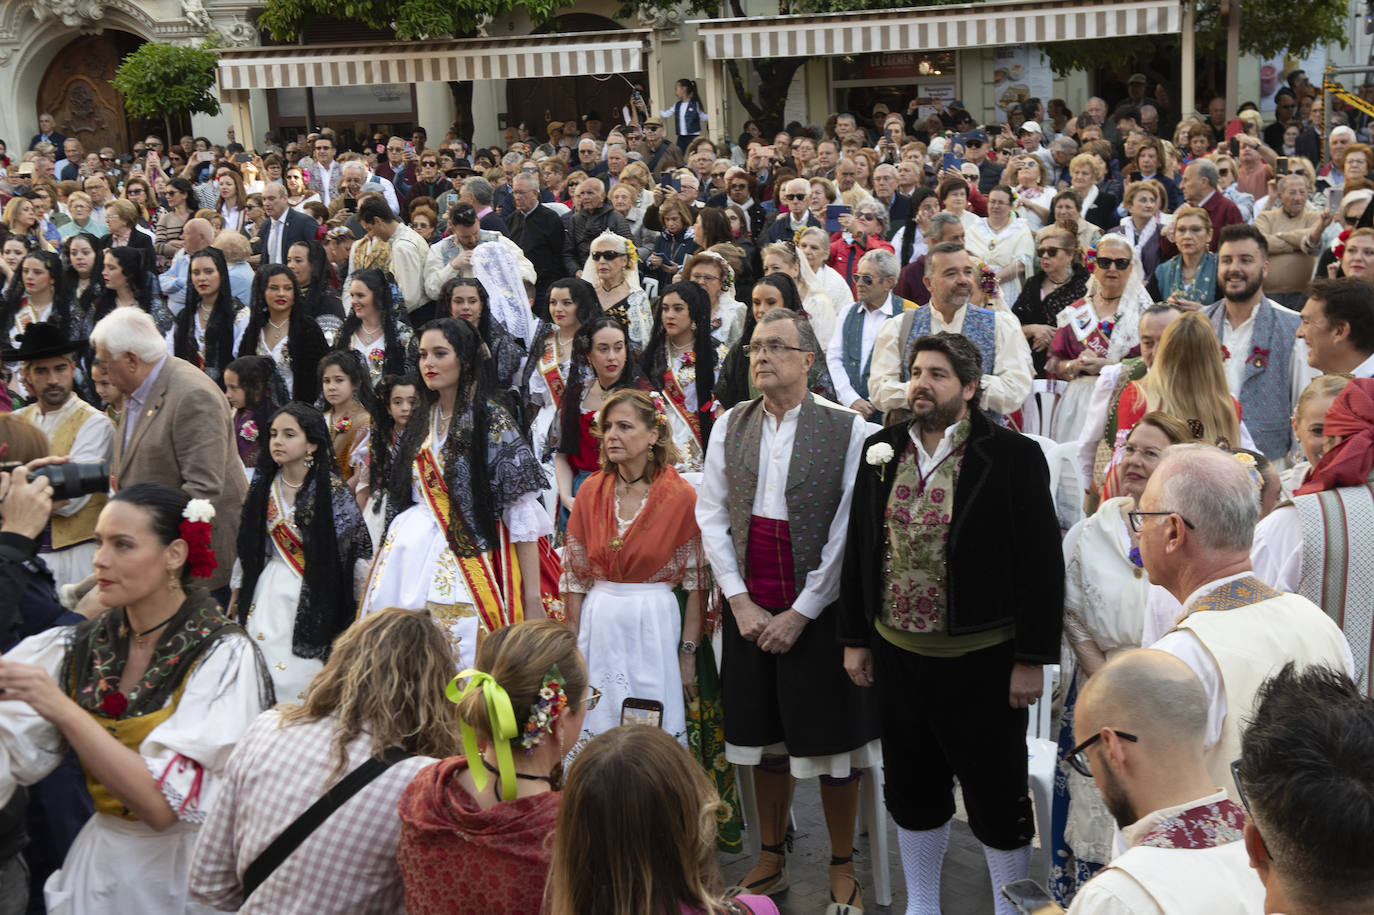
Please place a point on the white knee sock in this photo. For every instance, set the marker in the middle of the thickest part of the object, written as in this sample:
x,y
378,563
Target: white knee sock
x,y
923,855
1006,867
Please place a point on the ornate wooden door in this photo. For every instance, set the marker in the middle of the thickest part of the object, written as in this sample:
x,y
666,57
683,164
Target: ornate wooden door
x,y
76,89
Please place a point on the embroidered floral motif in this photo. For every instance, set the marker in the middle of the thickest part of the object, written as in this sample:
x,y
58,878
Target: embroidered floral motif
x,y
249,431
343,424
1204,826
376,357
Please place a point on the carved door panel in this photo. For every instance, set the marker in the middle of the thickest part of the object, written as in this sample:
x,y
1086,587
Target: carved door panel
x,y
76,89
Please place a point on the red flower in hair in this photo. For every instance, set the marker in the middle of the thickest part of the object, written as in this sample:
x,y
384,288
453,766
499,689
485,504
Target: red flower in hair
x,y
1338,249
114,704
200,557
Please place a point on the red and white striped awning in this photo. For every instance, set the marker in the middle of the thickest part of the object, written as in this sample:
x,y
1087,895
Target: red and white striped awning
x,y
528,56
929,28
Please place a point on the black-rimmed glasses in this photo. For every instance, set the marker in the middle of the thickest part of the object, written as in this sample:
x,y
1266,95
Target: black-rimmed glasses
x,y
1244,802
606,255
1134,518
1120,263
1079,760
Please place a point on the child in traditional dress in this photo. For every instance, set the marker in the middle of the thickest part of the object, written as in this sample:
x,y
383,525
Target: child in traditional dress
x,y
248,386
347,390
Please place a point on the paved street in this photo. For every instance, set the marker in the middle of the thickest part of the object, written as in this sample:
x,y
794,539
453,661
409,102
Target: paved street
x,y
965,889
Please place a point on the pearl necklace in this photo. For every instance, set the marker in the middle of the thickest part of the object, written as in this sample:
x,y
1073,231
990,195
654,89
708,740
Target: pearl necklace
x,y
281,325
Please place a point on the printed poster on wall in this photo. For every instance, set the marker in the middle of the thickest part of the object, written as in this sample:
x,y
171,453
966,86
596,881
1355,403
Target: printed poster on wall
x,y
1272,73
1019,73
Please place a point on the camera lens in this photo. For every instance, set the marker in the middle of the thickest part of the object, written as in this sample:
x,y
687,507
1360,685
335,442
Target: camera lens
x,y
71,481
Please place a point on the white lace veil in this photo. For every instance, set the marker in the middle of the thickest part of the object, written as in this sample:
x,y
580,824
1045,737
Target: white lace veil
x,y
496,269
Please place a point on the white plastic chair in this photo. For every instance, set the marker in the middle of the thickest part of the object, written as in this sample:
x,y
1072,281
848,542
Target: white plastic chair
x,y
1042,756
1045,393
1066,488
872,813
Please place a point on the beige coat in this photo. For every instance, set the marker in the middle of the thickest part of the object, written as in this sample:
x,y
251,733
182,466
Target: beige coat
x,y
184,438
1291,257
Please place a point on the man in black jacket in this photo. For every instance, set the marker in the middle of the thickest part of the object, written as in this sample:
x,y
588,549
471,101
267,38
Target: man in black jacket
x,y
954,585
540,233
592,217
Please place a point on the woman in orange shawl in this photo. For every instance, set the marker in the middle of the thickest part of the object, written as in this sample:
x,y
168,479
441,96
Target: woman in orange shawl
x,y
631,539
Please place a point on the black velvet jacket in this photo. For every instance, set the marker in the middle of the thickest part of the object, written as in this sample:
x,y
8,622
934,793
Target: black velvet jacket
x,y
1003,557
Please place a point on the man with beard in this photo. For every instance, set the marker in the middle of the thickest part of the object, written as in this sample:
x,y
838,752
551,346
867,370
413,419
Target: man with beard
x,y
1265,361
1139,725
1002,348
954,597
75,429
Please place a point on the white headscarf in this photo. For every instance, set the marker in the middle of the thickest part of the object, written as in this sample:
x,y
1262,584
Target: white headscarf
x,y
495,268
1134,300
616,243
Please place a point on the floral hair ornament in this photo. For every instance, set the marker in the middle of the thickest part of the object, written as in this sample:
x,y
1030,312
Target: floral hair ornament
x,y
501,715
551,701
660,408
195,530
1248,462
1338,249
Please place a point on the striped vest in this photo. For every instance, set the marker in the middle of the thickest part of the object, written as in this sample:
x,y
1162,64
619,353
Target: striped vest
x,y
1338,564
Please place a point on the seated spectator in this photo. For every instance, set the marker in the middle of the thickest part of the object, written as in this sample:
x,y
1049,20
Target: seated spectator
x,y
1305,778
637,831
1139,726
485,820
1086,174
378,700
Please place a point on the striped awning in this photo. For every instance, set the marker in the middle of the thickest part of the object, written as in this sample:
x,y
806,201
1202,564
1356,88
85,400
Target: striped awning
x,y
528,56
930,28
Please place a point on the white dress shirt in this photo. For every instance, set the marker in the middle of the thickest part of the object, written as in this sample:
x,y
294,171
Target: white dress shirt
x,y
1364,369
173,281
1004,391
822,585
925,463
276,255
834,351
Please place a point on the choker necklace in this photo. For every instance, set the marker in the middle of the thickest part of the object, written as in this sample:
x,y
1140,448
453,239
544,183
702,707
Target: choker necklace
x,y
140,636
635,480
281,325
496,782
285,482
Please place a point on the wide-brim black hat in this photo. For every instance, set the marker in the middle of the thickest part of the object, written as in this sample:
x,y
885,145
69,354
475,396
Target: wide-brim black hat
x,y
43,340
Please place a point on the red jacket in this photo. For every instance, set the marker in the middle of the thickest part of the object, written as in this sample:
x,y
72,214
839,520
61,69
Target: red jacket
x,y
845,255
1223,212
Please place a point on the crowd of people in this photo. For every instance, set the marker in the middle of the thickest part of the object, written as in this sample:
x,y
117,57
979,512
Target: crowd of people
x,y
414,473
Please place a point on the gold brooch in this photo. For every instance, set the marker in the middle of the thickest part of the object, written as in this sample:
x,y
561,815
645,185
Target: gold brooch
x,y
616,544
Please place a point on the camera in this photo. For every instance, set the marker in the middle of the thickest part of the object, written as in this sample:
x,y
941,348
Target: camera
x,y
70,481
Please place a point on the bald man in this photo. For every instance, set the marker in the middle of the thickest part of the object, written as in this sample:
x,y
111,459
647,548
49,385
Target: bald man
x,y
196,234
1196,522
793,213
1139,724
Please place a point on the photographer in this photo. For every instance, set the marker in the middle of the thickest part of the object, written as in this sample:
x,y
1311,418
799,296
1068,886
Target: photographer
x,y
42,821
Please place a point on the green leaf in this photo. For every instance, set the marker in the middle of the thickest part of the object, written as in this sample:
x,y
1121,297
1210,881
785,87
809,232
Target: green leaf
x,y
164,79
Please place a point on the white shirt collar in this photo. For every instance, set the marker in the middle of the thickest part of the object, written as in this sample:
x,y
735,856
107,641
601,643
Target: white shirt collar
x,y
941,449
1364,369
789,417
1203,201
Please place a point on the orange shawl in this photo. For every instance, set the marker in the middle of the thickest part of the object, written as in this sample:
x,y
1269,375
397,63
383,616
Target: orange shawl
x,y
653,541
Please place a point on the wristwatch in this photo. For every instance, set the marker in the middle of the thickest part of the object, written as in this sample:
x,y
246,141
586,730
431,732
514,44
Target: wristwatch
x,y
687,647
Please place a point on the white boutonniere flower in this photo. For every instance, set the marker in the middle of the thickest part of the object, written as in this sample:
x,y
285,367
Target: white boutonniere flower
x,y
880,455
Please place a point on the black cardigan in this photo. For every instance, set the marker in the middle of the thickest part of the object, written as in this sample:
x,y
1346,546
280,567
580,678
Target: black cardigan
x,y
1004,560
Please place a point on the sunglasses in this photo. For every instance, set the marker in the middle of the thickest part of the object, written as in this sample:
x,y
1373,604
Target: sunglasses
x,y
1048,252
795,197
1120,263
739,186
863,279
606,255
869,217
973,144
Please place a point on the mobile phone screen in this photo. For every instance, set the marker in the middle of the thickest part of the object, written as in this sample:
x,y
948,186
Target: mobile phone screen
x,y
642,711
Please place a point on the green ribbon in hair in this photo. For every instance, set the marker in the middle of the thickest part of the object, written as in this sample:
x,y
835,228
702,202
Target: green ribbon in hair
x,y
501,714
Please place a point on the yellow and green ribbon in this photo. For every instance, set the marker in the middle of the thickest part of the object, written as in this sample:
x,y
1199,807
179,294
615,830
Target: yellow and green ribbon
x,y
501,714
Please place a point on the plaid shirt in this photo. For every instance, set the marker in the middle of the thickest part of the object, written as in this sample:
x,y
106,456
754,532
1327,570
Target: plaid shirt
x,y
347,865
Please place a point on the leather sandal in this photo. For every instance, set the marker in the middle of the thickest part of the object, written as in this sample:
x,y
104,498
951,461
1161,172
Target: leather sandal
x,y
766,886
854,904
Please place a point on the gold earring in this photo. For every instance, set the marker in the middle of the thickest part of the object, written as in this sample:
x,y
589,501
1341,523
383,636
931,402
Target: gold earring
x,y
173,582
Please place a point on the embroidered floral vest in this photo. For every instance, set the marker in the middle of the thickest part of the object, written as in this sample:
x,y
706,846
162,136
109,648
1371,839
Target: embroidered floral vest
x,y
918,513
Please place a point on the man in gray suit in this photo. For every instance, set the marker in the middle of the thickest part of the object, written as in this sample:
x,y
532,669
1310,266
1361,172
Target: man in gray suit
x,y
177,428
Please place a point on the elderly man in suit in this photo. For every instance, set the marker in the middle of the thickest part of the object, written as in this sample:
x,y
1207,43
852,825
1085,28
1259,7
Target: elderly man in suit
x,y
176,428
285,226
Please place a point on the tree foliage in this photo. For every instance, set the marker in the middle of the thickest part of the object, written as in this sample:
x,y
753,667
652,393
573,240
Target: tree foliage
x,y
161,80
412,20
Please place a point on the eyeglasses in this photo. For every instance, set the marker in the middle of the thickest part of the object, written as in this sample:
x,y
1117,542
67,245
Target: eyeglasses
x,y
1120,263
717,174
864,279
1245,802
794,197
1049,252
1189,230
652,127
739,186
1079,760
1149,454
871,217
606,255
770,349
973,144
593,697
1134,518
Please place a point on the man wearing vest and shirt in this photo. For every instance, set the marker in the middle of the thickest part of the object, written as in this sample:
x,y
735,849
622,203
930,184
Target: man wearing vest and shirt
x,y
1139,727
1195,524
75,429
1322,545
1006,357
773,508
850,350
954,598
1265,360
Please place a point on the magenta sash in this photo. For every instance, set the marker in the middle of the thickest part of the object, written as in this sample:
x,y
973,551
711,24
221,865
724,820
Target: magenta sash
x,y
768,564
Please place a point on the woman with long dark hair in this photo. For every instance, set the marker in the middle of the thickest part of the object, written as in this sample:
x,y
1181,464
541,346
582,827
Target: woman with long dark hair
x,y
466,298
681,361
152,695
85,259
347,392
384,343
303,548
124,282
464,510
309,262
733,384
280,329
397,399
210,328
42,294
601,363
